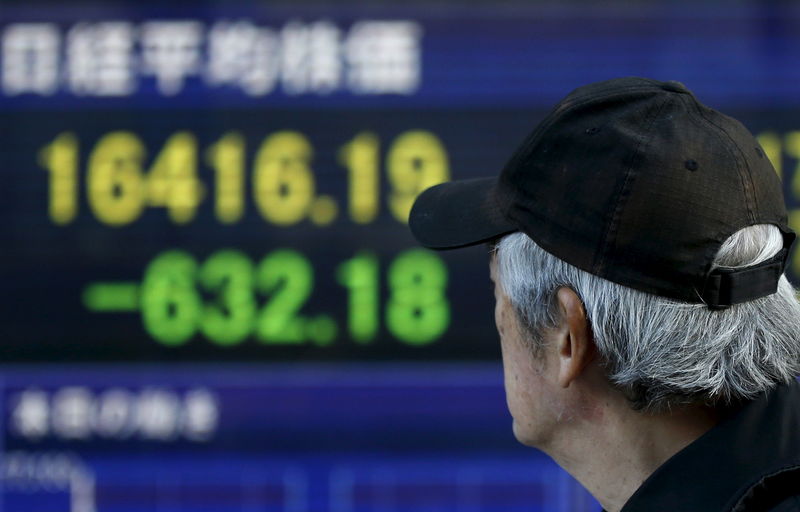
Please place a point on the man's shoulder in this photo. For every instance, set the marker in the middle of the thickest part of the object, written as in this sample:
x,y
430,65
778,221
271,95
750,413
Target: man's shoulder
x,y
790,504
749,462
776,492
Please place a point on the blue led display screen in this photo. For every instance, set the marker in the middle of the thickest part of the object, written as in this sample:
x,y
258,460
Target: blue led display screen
x,y
211,298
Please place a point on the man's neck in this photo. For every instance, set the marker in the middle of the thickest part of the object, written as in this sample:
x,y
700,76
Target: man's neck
x,y
612,453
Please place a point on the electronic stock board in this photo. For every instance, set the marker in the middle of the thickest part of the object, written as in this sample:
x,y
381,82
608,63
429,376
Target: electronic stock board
x,y
205,250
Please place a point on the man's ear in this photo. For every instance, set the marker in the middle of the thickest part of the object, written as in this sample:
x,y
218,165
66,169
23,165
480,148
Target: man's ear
x,y
575,345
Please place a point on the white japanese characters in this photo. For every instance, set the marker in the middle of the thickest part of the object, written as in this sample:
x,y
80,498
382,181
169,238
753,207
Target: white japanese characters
x,y
171,52
243,55
100,60
79,413
117,58
383,57
31,55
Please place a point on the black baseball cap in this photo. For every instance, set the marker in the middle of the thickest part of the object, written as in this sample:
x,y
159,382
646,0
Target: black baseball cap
x,y
633,180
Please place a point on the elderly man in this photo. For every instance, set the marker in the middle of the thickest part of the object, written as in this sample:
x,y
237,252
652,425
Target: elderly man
x,y
650,340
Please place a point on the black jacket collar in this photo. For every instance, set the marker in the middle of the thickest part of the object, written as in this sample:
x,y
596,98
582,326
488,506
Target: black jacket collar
x,y
715,472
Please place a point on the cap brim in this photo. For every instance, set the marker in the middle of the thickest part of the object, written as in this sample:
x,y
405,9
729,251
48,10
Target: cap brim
x,y
458,214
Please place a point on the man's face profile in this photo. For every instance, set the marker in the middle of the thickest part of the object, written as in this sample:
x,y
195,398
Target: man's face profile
x,y
551,389
525,379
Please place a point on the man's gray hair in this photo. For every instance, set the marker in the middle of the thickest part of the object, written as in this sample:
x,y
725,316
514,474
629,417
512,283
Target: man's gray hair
x,y
659,352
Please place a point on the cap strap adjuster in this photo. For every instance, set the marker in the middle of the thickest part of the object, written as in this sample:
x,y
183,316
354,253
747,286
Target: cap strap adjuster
x,y
727,286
